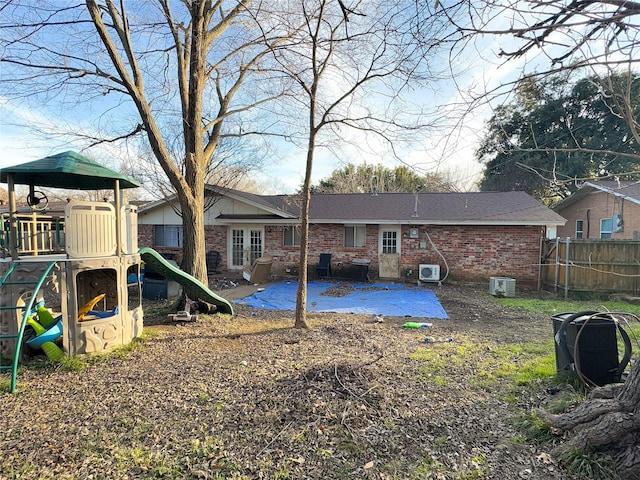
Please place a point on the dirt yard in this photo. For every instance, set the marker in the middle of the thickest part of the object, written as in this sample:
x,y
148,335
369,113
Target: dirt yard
x,y
249,397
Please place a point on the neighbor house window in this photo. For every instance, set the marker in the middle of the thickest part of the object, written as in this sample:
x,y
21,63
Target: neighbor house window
x,y
354,236
168,235
605,228
291,237
579,224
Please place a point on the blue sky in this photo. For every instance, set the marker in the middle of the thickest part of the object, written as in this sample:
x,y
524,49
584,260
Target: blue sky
x,y
448,149
439,150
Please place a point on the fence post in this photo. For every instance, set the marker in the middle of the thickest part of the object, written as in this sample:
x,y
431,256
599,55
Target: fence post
x,y
566,270
556,272
540,263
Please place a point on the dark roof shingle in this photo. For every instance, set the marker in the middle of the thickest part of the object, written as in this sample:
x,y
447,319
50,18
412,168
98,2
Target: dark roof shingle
x,y
441,208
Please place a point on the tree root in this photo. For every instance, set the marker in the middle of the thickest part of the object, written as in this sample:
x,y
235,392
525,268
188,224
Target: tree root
x,y
608,423
586,412
628,463
606,433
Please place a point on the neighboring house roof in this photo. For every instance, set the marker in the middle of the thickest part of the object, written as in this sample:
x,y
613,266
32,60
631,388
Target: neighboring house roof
x,y
629,190
54,208
474,208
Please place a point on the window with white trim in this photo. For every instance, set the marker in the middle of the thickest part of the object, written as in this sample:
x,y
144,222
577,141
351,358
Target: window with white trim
x,y
605,228
579,228
390,241
354,236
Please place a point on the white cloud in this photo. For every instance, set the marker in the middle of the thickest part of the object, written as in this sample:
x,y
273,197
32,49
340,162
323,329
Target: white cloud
x,y
27,134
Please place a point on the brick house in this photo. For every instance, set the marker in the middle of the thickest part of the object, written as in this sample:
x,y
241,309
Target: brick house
x,y
604,209
470,236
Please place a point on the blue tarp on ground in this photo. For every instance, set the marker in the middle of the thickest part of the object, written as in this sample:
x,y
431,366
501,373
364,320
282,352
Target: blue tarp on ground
x,y
376,299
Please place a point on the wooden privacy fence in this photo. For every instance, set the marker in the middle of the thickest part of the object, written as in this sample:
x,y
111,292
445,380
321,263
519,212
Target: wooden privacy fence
x,y
599,266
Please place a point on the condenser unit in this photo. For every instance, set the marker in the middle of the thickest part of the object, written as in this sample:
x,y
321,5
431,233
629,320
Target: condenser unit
x,y
429,273
502,287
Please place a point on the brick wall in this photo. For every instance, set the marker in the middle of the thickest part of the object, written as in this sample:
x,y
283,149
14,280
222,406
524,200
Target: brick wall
x,y
215,238
145,235
473,253
596,206
477,252
216,241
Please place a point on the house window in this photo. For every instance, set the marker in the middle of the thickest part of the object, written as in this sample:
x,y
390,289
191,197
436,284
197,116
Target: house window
x,y
579,224
354,236
168,235
291,237
605,228
390,241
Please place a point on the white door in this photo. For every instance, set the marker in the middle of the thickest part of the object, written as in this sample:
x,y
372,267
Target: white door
x,y
389,252
245,245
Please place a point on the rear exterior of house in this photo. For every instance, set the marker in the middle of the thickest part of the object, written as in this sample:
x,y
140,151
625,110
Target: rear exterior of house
x,y
602,210
467,236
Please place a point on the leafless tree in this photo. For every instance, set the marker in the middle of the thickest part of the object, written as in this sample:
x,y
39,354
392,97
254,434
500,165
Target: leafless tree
x,y
341,54
148,69
575,38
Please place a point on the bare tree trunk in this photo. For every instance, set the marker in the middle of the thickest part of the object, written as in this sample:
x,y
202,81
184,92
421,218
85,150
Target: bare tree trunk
x,y
301,294
193,249
607,425
194,255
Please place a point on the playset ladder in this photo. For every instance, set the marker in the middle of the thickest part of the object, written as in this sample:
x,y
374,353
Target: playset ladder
x,y
27,311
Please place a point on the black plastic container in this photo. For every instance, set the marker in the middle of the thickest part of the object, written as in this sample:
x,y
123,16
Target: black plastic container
x,y
595,356
155,286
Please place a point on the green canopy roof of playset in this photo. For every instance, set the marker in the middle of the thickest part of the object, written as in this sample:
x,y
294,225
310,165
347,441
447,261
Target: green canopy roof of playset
x,y
67,170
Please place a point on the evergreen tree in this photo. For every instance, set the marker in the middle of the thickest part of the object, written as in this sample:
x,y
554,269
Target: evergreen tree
x,y
555,133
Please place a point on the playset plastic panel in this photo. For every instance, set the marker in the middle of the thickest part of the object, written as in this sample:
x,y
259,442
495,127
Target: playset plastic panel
x,y
77,285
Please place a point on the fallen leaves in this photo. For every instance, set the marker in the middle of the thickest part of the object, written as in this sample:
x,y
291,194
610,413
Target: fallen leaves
x,y
251,397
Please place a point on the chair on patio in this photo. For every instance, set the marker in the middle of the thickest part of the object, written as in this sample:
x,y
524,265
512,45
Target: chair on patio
x,y
213,262
324,266
259,271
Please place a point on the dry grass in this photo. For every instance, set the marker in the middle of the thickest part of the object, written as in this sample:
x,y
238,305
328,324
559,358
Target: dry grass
x,y
249,397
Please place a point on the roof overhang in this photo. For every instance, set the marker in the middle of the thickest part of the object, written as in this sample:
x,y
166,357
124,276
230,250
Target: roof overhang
x,y
588,188
615,193
232,194
254,219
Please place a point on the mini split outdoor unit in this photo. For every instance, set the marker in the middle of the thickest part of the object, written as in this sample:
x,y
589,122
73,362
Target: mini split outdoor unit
x,y
429,273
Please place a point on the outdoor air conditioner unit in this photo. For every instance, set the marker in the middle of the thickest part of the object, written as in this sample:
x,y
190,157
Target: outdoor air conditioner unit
x,y
429,273
502,287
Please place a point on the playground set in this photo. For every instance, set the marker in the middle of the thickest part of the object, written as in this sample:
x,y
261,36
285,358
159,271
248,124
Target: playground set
x,y
72,285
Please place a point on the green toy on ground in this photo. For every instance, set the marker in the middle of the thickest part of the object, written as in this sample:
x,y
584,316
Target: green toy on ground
x,y
51,350
417,325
